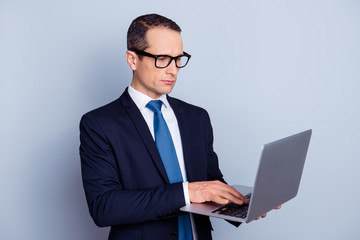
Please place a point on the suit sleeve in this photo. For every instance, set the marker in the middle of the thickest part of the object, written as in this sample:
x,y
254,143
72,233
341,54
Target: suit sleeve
x,y
213,171
109,203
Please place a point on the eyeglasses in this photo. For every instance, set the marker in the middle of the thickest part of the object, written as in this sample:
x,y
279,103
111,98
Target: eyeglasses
x,y
162,61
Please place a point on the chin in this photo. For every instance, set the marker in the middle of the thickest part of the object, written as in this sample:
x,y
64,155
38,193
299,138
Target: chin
x,y
167,90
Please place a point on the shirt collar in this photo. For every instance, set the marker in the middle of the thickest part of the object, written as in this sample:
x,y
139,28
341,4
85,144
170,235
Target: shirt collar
x,y
142,99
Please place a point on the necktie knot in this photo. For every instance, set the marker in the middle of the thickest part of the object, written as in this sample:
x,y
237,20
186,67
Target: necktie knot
x,y
154,105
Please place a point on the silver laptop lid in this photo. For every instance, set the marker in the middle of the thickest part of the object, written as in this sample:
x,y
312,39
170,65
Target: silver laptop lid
x,y
279,173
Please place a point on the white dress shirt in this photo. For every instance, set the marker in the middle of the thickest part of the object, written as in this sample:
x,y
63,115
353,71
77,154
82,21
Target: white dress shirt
x,y
141,100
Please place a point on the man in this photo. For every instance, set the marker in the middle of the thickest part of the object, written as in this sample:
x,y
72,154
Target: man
x,y
140,164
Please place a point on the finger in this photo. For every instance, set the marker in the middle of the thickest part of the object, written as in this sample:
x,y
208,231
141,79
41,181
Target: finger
x,y
278,207
229,189
262,216
220,200
238,195
225,194
230,193
222,197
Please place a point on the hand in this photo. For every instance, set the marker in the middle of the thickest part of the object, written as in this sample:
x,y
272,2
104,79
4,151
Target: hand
x,y
264,215
214,191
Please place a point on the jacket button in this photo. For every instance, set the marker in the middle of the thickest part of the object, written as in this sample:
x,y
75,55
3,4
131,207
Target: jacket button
x,y
174,235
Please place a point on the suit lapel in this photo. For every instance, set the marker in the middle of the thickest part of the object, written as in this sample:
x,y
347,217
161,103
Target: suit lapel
x,y
144,132
185,137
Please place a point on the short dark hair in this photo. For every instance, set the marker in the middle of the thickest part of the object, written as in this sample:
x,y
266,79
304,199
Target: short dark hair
x,y
136,35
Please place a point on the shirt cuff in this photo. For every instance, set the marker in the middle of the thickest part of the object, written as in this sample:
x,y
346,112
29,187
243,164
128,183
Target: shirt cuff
x,y
186,192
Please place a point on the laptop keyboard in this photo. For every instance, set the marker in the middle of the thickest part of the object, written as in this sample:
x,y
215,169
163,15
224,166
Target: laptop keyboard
x,y
234,210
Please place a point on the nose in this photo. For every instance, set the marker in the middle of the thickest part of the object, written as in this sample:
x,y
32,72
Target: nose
x,y
172,69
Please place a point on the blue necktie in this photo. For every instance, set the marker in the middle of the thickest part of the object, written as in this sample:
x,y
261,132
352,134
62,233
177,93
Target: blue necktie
x,y
167,152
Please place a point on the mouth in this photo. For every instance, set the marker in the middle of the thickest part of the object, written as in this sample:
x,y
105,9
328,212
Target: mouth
x,y
169,82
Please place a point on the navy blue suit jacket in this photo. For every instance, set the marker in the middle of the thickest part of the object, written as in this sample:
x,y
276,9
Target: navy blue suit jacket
x,y
124,178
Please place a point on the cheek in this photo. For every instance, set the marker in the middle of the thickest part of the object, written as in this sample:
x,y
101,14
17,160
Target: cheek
x,y
149,75
156,76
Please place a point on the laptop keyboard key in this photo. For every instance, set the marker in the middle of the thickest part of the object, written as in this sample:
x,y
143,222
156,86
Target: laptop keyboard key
x,y
234,210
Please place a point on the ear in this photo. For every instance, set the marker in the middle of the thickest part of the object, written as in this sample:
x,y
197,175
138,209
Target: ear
x,y
131,59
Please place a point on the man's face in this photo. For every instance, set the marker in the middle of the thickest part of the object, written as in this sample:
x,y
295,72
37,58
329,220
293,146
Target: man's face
x,y
149,79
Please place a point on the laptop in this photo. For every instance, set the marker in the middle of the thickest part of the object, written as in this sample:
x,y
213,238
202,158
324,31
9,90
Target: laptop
x,y
277,181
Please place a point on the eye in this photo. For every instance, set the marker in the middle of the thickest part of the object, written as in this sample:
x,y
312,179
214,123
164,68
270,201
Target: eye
x,y
178,61
163,58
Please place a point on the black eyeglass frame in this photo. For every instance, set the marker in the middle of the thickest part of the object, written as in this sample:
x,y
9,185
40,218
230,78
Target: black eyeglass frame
x,y
143,53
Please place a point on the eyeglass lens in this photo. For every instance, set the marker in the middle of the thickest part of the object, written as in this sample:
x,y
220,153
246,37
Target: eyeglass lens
x,y
164,61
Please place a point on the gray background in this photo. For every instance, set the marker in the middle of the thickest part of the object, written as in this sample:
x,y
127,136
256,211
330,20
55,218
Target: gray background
x,y
262,69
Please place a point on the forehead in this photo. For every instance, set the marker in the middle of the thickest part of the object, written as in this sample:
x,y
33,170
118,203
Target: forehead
x,y
164,41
